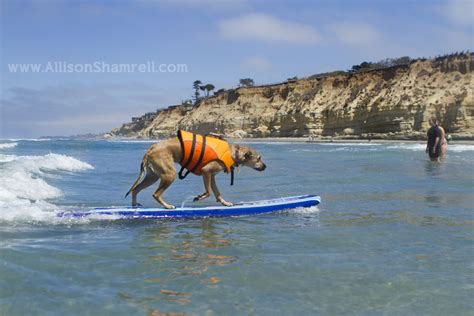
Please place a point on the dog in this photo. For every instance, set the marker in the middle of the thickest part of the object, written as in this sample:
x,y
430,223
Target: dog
x,y
158,163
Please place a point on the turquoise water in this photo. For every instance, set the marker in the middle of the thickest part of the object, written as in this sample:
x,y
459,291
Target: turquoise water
x,y
393,235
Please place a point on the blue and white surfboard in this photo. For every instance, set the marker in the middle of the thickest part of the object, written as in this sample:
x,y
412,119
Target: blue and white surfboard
x,y
247,208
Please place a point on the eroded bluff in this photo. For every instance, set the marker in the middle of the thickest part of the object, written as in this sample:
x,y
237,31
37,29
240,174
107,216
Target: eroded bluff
x,y
393,103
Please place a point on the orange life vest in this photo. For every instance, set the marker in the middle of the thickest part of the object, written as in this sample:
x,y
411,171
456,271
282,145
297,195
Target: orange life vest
x,y
199,150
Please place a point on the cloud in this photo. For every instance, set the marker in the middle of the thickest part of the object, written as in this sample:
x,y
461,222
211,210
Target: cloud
x,y
354,33
460,12
257,63
267,28
68,109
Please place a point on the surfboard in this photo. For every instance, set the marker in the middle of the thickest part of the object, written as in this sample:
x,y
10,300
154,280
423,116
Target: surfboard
x,y
240,209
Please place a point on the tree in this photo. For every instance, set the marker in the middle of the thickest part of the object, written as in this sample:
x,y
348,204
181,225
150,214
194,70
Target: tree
x,y
209,87
196,86
363,66
405,60
246,82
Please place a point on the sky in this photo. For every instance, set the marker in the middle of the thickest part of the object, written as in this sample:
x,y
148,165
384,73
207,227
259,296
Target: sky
x,y
214,41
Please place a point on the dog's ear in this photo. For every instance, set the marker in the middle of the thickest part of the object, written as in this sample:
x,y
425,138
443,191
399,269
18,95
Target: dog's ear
x,y
238,152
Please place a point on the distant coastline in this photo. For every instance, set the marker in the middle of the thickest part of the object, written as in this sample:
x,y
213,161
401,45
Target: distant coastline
x,y
373,101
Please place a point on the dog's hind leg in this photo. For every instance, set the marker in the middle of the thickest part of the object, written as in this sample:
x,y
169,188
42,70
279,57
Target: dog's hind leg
x,y
149,179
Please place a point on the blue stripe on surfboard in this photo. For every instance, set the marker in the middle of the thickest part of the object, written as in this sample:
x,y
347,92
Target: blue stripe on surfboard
x,y
247,208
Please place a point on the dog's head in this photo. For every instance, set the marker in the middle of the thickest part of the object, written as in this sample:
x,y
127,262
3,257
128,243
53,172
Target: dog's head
x,y
249,157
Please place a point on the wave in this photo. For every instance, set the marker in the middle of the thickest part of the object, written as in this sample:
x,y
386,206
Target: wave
x,y
139,141
25,194
421,147
460,148
8,145
405,146
26,139
349,144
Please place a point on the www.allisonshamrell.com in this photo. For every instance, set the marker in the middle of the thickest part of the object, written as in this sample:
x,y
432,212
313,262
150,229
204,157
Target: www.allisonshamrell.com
x,y
97,67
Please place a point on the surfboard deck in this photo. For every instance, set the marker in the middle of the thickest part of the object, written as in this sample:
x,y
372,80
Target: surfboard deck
x,y
246,208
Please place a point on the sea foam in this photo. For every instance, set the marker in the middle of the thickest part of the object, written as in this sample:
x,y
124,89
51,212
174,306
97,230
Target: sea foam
x,y
24,192
8,145
422,147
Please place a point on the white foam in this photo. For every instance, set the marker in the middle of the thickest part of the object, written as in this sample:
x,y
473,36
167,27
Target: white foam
x,y
8,145
405,146
27,139
305,210
257,142
143,141
422,147
24,193
349,144
460,148
7,158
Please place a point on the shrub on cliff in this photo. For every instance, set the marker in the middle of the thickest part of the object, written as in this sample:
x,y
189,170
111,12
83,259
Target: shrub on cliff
x,y
246,82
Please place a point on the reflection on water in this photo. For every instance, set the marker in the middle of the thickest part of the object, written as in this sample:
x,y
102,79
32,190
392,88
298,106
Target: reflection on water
x,y
434,168
183,255
434,199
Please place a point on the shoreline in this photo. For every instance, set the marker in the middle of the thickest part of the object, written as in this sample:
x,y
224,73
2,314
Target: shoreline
x,y
340,141
303,140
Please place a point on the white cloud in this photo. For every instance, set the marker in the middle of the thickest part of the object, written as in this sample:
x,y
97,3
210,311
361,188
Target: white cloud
x,y
257,63
460,12
267,28
355,33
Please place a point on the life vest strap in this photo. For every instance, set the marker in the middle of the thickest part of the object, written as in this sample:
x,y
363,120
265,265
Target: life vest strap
x,y
201,156
190,158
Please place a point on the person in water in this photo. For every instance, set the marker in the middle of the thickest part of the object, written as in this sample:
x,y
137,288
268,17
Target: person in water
x,y
437,144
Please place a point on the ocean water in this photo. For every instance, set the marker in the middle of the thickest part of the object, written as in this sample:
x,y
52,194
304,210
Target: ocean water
x,y
394,234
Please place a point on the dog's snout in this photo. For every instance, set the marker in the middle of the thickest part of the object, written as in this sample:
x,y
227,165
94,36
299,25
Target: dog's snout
x,y
263,167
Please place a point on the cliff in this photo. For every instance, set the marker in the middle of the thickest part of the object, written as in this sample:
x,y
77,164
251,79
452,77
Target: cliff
x,y
392,103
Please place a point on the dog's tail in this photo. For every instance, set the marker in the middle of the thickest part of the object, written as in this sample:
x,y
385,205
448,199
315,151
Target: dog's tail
x,y
140,177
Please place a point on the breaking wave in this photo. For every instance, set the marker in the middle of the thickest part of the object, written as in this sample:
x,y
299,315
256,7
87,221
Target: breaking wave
x,y
8,145
24,192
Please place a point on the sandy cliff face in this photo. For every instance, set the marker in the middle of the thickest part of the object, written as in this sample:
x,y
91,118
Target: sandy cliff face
x,y
393,103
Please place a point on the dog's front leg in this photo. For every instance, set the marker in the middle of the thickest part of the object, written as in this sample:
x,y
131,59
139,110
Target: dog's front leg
x,y
217,194
206,177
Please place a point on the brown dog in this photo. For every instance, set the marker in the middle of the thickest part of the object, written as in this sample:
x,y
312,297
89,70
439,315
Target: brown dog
x,y
158,163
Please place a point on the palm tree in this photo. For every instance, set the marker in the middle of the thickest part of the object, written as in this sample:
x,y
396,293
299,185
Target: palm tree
x,y
196,86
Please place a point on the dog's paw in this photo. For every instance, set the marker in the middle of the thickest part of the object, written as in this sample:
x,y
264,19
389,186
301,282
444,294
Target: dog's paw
x,y
201,197
225,203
